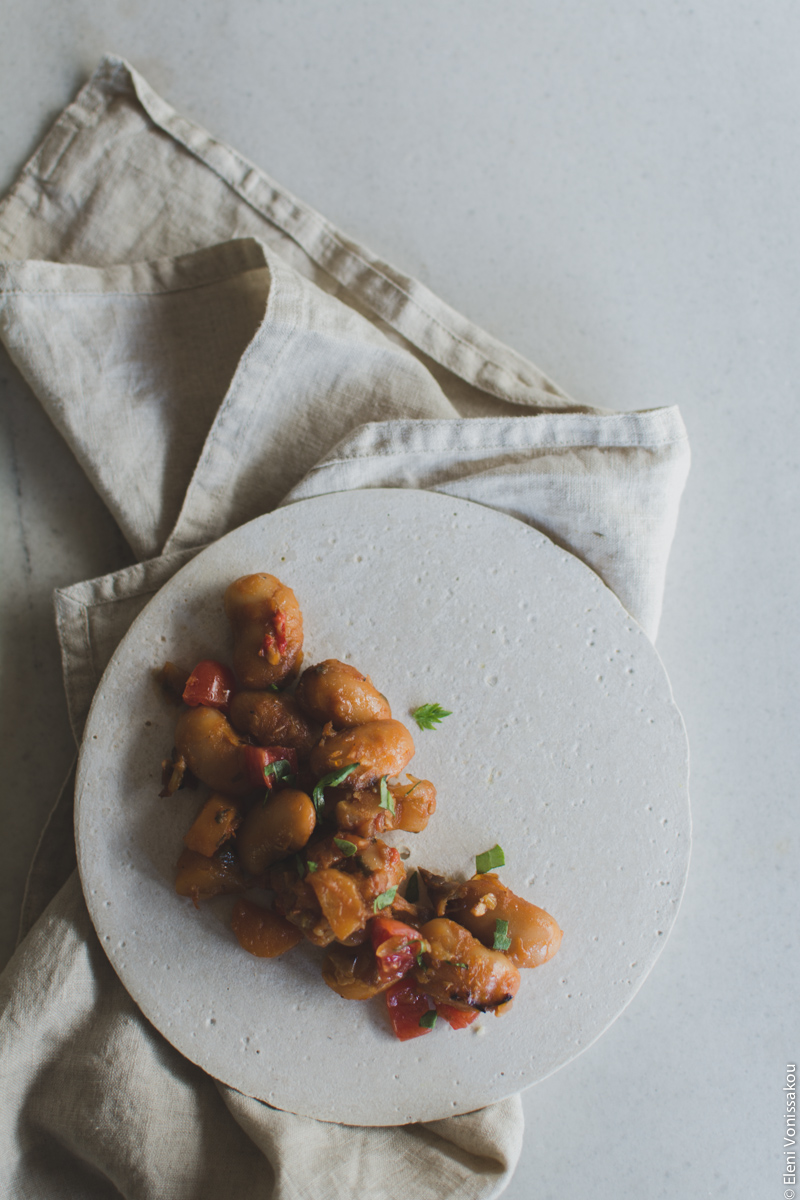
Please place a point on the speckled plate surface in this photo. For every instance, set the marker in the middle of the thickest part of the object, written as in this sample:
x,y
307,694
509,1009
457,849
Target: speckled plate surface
x,y
565,746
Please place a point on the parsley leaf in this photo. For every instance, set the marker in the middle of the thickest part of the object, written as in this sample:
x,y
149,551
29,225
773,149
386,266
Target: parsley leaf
x,y
332,780
428,716
312,866
279,771
348,849
387,799
501,939
489,859
412,888
428,1020
385,899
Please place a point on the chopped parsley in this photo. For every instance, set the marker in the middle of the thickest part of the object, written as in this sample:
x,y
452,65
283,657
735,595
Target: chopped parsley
x,y
428,1020
279,771
385,899
348,849
489,859
428,716
387,799
501,939
332,780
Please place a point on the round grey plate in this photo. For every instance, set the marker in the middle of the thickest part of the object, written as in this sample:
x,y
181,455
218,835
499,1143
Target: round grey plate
x,y
565,747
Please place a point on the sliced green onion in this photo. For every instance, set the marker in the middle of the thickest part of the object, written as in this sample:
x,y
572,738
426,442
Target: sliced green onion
x,y
385,899
387,799
332,780
489,859
348,849
501,939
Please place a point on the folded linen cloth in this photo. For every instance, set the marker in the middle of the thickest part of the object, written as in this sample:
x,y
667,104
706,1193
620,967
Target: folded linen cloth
x,y
210,348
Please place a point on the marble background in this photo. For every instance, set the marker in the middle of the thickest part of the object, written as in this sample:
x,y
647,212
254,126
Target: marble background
x,y
612,189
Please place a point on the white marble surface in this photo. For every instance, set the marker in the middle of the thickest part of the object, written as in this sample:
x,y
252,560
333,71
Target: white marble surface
x,y
611,189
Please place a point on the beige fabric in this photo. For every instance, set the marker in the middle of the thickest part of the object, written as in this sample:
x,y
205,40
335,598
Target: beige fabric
x,y
210,348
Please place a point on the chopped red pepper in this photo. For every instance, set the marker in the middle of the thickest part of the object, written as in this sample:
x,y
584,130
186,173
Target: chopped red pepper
x,y
277,641
211,684
406,1006
457,1018
258,758
396,946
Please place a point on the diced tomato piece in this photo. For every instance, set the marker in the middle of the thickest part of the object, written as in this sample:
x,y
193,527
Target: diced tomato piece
x,y
396,946
211,684
457,1018
406,1006
258,758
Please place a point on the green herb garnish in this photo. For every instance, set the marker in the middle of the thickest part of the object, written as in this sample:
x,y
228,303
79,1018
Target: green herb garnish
x,y
428,1020
463,966
412,888
387,799
348,849
501,939
312,866
489,859
279,771
420,961
332,780
428,716
385,899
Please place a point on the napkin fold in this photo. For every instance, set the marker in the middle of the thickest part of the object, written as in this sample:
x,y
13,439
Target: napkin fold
x,y
211,348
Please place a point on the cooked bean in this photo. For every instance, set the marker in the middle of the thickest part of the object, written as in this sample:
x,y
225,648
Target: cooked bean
x,y
336,692
361,812
267,629
213,750
200,877
384,868
217,821
483,900
379,748
460,970
262,932
271,831
340,900
272,720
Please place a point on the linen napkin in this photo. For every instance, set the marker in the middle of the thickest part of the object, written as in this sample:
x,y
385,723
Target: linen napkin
x,y
210,348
